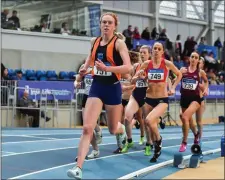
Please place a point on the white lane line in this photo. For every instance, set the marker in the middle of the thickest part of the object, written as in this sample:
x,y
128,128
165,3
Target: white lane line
x,y
8,152
55,149
55,139
178,130
56,167
161,165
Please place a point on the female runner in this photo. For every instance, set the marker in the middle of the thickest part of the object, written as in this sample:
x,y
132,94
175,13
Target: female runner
x,y
156,101
191,97
135,104
109,58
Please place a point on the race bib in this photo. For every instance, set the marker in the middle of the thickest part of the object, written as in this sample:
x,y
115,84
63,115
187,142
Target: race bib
x,y
88,80
156,74
141,83
189,84
102,73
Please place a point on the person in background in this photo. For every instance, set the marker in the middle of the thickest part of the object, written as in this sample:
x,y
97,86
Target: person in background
x,y
25,101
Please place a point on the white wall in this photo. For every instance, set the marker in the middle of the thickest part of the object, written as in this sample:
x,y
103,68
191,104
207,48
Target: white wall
x,y
43,51
219,32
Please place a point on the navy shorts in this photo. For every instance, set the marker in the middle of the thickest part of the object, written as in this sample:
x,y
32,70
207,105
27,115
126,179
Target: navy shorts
x,y
108,94
139,95
155,101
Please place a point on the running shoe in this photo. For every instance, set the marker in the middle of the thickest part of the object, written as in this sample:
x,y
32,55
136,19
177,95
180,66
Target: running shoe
x,y
183,147
94,154
75,173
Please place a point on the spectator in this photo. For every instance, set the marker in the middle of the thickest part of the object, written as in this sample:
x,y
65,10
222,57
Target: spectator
x,y
25,101
65,29
178,45
136,34
218,43
44,28
146,34
128,34
5,75
4,18
223,52
154,34
178,62
19,75
221,80
213,80
202,41
15,19
189,46
162,35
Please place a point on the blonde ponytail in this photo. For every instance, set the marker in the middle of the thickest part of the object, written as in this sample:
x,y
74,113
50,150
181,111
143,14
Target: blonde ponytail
x,y
120,35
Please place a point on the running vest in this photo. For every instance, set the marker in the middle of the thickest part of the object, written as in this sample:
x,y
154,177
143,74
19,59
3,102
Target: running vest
x,y
190,83
87,83
157,75
109,56
140,83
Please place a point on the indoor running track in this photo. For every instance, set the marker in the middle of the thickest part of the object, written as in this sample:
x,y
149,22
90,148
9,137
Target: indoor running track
x,y
49,153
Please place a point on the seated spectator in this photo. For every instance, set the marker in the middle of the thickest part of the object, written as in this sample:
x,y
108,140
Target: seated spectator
x,y
221,80
5,75
178,62
213,80
44,28
19,75
26,102
145,34
15,19
65,29
136,34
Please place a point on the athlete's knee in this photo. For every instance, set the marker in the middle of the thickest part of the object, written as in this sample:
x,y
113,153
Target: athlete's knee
x,y
185,118
128,117
88,129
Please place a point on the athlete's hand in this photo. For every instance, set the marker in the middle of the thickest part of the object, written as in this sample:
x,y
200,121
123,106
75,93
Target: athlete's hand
x,y
171,92
100,65
141,74
183,70
77,84
83,71
205,92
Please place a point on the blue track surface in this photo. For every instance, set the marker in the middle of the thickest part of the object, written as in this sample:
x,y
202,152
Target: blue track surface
x,y
49,153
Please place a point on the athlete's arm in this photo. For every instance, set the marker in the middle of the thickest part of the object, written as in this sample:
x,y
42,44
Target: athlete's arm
x,y
141,72
174,69
88,60
206,82
126,67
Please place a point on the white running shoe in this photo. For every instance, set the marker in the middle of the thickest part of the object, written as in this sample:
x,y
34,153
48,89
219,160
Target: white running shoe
x,y
121,138
75,173
94,154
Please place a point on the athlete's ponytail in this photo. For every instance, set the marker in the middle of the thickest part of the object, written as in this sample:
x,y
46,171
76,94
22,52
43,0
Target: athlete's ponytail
x,y
120,35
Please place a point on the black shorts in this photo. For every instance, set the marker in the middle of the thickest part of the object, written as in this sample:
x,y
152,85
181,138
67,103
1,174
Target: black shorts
x,y
202,99
155,101
139,95
185,101
84,100
124,102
